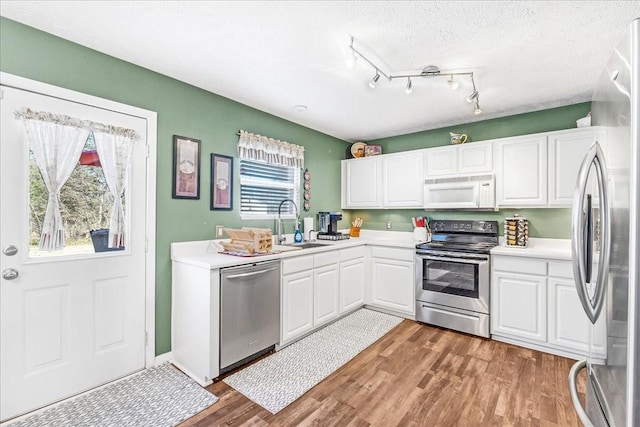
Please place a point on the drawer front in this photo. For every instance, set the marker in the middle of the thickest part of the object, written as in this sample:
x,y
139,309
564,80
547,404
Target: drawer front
x,y
352,253
326,258
518,264
561,269
393,253
293,265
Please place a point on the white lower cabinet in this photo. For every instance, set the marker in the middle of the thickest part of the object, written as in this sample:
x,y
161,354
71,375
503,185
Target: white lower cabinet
x,y
534,302
352,278
392,279
325,288
519,306
316,289
297,299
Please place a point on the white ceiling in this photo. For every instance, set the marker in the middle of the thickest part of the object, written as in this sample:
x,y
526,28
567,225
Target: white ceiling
x,y
274,56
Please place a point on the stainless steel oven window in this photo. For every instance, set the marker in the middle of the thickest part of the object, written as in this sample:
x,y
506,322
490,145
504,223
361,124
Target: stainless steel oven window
x,y
450,277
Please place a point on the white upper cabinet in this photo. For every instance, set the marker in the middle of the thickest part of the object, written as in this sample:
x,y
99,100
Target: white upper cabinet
x,y
521,171
362,183
388,181
471,158
475,157
566,151
403,180
442,161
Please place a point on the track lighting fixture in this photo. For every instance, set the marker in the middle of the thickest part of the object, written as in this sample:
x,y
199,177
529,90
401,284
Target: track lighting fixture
x,y
426,72
374,80
409,87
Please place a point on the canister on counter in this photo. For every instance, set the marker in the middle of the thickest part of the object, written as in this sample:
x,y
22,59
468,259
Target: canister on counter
x,y
516,231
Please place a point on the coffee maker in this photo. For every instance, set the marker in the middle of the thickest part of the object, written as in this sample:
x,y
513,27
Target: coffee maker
x,y
328,226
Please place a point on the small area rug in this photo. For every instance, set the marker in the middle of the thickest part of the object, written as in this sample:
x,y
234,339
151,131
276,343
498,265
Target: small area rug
x,y
159,396
276,381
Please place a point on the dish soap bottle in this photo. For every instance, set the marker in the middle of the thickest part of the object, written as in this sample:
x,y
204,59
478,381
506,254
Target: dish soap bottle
x,y
297,236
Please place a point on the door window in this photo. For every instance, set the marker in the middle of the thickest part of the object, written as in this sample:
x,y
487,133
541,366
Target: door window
x,y
85,206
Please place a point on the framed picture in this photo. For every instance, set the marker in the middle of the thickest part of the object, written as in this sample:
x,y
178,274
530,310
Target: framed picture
x,y
186,168
221,182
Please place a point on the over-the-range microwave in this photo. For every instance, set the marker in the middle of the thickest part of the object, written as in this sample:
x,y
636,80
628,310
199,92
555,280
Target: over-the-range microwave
x,y
460,192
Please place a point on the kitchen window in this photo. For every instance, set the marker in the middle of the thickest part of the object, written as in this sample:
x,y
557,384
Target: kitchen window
x,y
263,186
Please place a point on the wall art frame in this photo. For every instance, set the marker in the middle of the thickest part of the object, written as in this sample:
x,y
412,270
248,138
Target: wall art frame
x,y
221,182
186,168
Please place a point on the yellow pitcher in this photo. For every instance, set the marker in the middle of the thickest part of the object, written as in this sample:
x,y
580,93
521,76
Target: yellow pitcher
x,y
458,138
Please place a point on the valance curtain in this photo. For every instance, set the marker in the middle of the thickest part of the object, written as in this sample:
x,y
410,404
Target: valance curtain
x,y
56,142
114,152
257,147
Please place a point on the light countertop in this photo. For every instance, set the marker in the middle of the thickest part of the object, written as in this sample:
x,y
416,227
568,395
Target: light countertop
x,y
204,254
538,248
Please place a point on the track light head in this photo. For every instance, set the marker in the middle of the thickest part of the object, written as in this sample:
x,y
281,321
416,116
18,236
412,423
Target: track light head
x,y
476,108
473,96
374,80
409,87
453,84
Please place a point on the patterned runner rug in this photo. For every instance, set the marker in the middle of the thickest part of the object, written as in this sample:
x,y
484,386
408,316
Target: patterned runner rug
x,y
276,381
160,396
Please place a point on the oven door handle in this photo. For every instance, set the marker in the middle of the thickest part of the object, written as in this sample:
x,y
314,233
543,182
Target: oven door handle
x,y
460,260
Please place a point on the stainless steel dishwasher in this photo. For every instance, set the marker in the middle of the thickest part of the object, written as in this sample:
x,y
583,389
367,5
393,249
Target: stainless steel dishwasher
x,y
249,312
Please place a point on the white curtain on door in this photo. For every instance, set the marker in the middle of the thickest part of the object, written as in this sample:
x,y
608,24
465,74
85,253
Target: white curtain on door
x,y
273,151
56,145
114,150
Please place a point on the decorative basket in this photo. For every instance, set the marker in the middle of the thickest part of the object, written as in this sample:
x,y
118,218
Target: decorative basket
x,y
516,231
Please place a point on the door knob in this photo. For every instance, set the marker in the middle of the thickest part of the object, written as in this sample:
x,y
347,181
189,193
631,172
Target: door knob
x,y
9,274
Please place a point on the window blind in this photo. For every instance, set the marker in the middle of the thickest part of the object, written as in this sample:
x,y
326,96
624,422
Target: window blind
x,y
264,186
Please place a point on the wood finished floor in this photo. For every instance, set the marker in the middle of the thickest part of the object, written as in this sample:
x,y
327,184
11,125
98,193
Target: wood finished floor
x,y
418,375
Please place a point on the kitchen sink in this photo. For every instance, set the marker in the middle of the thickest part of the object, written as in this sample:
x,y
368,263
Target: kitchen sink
x,y
307,245
295,246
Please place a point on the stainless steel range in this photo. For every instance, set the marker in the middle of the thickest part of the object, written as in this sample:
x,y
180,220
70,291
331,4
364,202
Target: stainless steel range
x,y
453,275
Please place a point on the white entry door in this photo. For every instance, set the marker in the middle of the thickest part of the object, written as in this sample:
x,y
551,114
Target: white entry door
x,y
72,319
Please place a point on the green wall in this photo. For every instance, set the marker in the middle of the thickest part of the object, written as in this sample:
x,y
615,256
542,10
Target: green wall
x,y
182,110
551,223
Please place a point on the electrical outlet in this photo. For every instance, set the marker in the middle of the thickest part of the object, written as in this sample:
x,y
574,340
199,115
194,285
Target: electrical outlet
x,y
219,231
388,225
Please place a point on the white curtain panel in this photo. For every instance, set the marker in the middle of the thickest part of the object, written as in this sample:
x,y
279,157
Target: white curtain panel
x,y
114,152
56,147
257,147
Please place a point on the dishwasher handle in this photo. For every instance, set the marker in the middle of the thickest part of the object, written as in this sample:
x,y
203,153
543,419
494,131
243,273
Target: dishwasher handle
x,y
252,273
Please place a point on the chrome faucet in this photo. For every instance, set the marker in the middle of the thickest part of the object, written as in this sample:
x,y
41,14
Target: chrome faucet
x,y
280,238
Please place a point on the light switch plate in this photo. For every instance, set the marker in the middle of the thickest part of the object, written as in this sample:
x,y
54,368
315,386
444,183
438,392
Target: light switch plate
x,y
219,231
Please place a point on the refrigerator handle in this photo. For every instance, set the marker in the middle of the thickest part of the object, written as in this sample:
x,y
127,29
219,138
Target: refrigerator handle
x,y
573,390
588,241
580,248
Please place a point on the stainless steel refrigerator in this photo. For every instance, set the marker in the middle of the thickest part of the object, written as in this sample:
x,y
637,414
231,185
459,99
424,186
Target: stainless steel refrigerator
x,y
606,241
